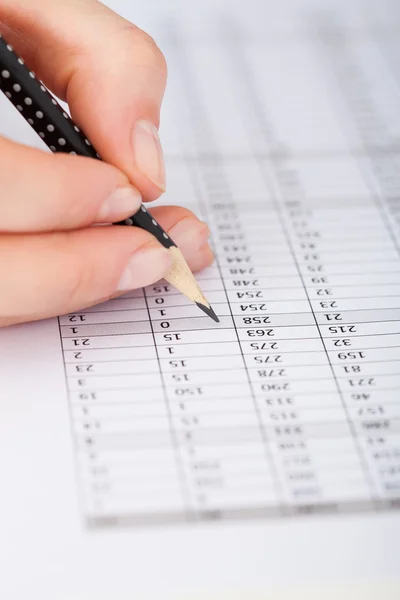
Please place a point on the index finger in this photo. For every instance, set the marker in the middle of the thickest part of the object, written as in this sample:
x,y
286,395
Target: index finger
x,y
110,72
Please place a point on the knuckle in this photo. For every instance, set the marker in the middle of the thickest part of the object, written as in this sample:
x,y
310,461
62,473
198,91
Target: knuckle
x,y
187,213
183,213
74,285
78,271
149,53
74,207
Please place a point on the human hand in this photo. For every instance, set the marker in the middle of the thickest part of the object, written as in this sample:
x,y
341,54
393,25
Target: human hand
x,y
52,260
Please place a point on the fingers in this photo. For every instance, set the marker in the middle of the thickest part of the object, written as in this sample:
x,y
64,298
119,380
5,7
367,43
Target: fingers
x,y
44,275
59,191
113,77
190,234
77,193
110,72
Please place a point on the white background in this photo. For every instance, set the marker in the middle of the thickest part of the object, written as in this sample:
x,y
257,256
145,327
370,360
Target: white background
x,y
46,554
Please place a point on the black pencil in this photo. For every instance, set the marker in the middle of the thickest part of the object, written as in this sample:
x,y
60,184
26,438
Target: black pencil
x,y
57,130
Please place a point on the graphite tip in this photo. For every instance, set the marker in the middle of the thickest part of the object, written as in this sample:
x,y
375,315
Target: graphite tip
x,y
209,311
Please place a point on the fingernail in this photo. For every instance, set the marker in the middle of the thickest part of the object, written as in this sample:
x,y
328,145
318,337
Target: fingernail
x,y
146,266
123,202
190,233
147,152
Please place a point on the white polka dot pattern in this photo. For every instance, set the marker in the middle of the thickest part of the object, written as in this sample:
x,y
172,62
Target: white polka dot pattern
x,y
54,126
40,109
144,220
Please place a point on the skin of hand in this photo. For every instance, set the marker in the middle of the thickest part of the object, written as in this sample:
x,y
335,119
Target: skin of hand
x,y
52,259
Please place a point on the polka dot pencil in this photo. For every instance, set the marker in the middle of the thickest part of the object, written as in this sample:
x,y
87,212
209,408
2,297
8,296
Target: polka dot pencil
x,y
57,130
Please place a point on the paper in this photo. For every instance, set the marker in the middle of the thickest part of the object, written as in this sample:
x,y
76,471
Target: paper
x,y
291,404
284,137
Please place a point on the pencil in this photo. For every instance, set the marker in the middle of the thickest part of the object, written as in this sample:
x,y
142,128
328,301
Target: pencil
x,y
58,131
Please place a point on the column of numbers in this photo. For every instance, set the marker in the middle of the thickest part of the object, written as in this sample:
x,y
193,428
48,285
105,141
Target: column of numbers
x,y
340,477
210,395
126,461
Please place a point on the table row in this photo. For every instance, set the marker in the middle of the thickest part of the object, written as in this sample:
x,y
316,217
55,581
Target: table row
x,y
101,515
93,362
162,499
122,420
283,311
372,348
225,388
203,329
231,413
210,436
153,399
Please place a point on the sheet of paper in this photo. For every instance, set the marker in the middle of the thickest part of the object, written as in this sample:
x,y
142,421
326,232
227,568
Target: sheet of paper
x,y
149,452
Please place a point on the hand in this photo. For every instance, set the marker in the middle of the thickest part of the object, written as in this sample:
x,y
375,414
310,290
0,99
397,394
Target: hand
x,y
52,260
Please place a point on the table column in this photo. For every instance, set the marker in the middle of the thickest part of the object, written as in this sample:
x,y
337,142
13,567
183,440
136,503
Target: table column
x,y
318,455
357,301
217,427
331,473
368,365
126,459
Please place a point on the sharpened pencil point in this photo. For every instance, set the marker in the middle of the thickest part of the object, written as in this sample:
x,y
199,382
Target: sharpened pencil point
x,y
209,311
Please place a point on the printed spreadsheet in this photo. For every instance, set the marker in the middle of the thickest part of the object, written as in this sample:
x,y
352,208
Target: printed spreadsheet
x,y
289,148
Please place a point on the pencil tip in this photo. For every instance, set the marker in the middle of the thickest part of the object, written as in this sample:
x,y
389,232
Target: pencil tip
x,y
209,311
